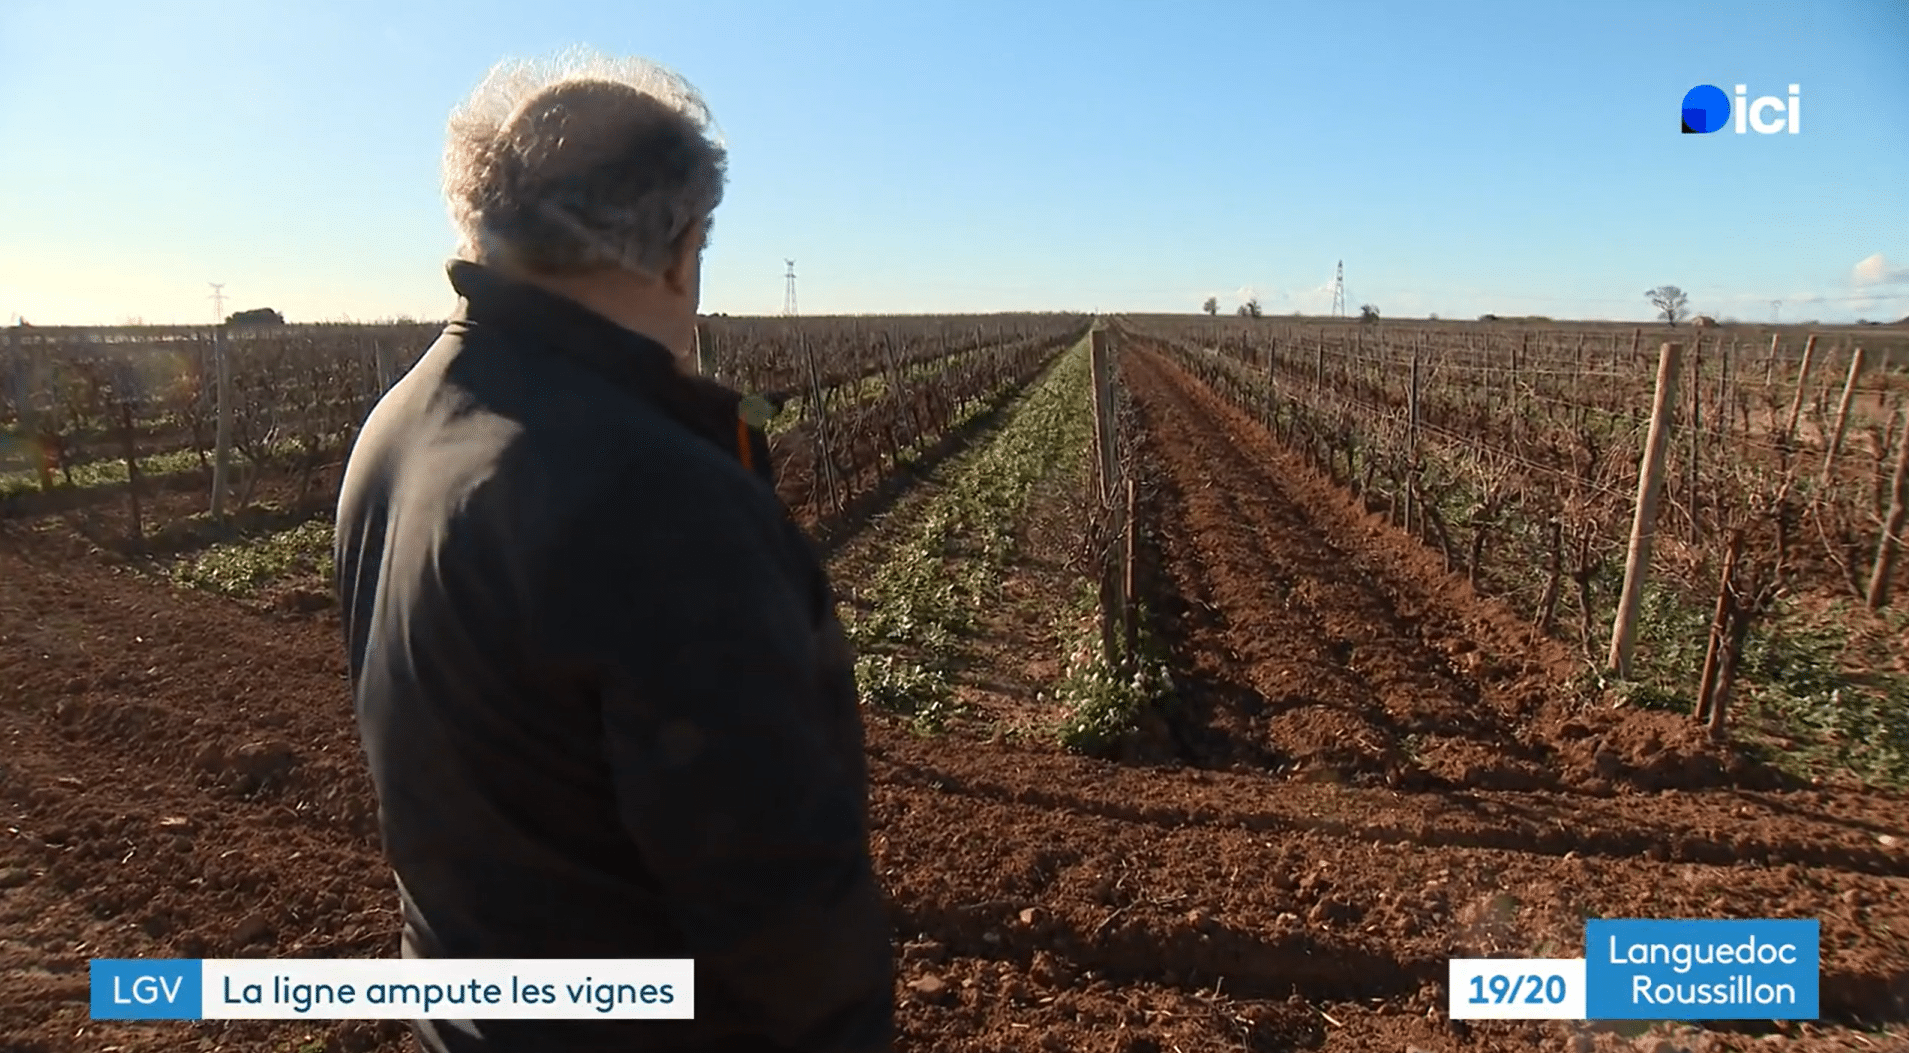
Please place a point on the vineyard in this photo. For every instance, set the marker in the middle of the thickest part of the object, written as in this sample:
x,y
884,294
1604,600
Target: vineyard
x,y
219,410
1518,459
1223,677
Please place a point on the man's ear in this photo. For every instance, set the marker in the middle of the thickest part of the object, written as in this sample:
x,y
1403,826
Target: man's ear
x,y
683,274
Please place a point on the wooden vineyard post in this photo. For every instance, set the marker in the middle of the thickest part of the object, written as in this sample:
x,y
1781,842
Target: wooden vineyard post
x,y
1692,498
898,396
1650,485
702,363
1802,385
1842,416
387,369
1113,602
30,420
1411,437
129,447
1513,390
1098,363
222,431
1272,401
1877,596
1726,368
1130,598
824,457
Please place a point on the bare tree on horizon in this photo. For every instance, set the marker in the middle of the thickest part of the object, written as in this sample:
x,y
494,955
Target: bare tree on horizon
x,y
1671,303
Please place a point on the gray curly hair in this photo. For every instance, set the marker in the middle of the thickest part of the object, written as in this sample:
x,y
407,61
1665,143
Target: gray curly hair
x,y
580,162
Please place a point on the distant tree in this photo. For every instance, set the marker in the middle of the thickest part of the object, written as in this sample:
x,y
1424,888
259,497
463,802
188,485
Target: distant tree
x,y
1488,318
1433,317
256,316
1671,303
1211,306
1368,314
1250,308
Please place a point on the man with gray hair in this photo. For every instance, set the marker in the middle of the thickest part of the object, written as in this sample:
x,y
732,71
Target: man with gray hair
x,y
605,700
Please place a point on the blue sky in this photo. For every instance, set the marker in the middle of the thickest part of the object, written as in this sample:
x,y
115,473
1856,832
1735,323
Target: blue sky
x,y
1509,157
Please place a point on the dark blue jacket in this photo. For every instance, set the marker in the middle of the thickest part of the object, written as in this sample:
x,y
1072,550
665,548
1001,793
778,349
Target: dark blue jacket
x,y
606,702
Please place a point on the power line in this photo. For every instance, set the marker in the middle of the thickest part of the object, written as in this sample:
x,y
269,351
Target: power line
x,y
788,290
218,301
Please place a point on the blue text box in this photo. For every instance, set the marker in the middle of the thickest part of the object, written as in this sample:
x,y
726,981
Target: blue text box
x,y
147,989
1664,969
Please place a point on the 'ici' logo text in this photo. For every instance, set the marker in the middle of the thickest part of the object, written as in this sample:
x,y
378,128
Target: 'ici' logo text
x,y
1707,109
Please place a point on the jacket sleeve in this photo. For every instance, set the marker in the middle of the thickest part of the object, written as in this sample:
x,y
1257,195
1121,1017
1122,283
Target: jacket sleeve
x,y
721,733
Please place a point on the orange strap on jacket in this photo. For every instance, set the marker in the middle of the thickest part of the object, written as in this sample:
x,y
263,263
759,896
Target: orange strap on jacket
x,y
744,448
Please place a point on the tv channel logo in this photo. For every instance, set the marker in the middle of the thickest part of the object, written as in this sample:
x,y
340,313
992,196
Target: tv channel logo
x,y
1707,109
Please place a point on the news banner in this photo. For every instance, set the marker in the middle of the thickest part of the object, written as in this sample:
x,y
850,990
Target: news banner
x,y
1632,969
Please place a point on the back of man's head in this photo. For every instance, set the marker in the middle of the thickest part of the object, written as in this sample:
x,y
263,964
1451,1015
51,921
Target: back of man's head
x,y
581,163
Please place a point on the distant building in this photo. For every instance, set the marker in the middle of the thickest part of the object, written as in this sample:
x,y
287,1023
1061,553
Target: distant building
x,y
256,316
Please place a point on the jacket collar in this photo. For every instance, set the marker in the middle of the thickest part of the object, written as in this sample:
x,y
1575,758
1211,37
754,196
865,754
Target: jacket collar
x,y
635,363
535,316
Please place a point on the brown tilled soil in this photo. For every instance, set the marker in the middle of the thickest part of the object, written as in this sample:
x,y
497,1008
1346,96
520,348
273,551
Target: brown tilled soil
x,y
1321,645
1377,772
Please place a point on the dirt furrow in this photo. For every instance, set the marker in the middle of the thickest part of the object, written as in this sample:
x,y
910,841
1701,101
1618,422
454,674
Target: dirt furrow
x,y
1181,877
1343,652
180,778
1346,668
1827,832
